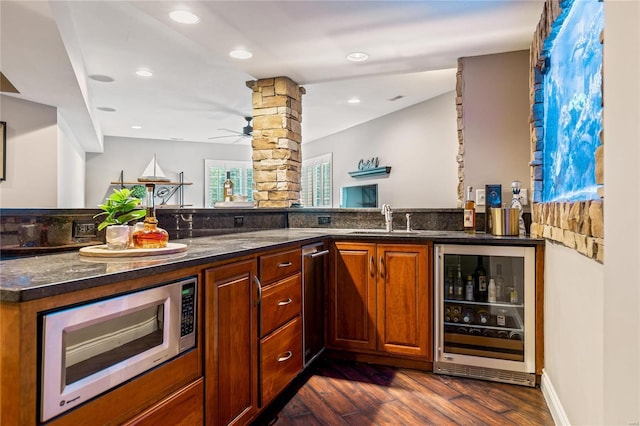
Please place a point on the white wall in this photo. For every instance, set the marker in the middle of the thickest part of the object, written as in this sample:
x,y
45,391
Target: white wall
x,y
133,156
496,120
592,320
418,142
622,204
71,168
574,332
32,154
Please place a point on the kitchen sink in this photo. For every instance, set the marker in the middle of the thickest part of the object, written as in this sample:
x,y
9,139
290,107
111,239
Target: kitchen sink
x,y
383,232
397,232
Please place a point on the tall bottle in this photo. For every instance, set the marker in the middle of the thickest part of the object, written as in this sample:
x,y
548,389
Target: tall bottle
x,y
449,288
150,236
458,286
480,275
468,289
499,284
492,291
469,212
228,188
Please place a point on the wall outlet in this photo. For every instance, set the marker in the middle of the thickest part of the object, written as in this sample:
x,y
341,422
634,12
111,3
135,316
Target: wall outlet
x,y
324,220
524,196
84,229
480,197
238,221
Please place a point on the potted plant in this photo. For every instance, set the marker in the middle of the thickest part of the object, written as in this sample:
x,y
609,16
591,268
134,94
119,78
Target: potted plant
x,y
120,209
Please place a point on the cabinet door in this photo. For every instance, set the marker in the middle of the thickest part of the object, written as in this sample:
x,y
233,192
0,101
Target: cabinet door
x,y
405,317
231,323
352,298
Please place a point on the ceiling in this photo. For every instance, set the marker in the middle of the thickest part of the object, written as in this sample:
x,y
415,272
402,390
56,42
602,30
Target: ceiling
x,y
49,50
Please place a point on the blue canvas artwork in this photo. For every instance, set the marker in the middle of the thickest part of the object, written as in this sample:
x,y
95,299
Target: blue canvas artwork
x,y
573,105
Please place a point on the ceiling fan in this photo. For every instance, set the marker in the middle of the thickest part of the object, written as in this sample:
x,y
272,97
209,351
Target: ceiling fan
x,y
247,132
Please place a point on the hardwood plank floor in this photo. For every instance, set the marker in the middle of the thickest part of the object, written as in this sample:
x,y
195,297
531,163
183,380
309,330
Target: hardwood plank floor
x,y
345,393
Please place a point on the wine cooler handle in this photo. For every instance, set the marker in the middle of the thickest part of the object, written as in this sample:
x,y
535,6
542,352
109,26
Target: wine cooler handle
x,y
372,266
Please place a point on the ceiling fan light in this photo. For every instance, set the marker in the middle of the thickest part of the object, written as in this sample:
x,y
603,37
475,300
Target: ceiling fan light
x,y
240,54
354,101
184,17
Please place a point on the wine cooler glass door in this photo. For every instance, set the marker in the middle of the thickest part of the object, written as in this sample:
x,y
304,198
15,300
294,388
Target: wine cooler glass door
x,y
486,306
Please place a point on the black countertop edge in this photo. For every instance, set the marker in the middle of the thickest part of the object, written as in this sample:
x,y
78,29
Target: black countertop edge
x,y
17,275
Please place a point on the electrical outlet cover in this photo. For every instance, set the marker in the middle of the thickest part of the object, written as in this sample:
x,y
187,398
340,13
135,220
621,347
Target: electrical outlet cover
x,y
480,197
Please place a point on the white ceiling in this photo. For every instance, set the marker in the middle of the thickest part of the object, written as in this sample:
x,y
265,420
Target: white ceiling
x,y
49,49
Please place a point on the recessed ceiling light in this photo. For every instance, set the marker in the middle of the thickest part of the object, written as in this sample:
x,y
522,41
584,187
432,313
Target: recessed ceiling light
x,y
144,73
354,101
101,78
107,109
184,17
136,127
177,139
357,56
240,54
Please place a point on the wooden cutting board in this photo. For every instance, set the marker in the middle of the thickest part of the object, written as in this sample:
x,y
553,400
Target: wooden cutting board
x,y
103,251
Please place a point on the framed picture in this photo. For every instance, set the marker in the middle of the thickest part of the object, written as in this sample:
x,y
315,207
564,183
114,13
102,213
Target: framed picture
x,y
3,150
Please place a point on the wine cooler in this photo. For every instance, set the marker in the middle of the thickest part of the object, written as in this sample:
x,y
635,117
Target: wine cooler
x,y
485,312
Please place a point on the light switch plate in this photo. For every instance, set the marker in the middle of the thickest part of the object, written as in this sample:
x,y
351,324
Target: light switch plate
x,y
480,197
524,196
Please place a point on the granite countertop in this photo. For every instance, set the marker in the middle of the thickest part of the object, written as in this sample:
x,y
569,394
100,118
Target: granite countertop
x,y
36,277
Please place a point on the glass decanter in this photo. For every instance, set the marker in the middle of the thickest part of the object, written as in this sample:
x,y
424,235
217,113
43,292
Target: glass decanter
x,y
150,235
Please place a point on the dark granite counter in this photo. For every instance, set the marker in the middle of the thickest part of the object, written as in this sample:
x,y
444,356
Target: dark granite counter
x,y
36,277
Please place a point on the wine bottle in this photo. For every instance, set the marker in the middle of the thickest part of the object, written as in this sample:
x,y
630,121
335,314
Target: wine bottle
x,y
480,275
499,284
449,287
468,294
458,286
492,291
228,188
469,212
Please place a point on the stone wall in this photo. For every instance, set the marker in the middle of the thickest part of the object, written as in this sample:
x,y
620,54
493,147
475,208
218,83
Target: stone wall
x,y
460,121
577,225
277,114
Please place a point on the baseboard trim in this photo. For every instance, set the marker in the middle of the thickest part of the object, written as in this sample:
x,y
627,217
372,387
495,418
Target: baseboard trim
x,y
553,402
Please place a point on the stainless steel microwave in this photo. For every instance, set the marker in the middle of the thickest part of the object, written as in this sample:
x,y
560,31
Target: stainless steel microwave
x,y
88,349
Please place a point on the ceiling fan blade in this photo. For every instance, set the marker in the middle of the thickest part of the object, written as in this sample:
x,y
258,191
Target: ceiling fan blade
x,y
235,132
222,137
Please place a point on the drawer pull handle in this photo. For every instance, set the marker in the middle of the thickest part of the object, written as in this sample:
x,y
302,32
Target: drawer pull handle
x,y
284,264
285,302
286,356
259,285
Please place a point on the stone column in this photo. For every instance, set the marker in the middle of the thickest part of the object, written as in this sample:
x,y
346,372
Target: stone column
x,y
277,114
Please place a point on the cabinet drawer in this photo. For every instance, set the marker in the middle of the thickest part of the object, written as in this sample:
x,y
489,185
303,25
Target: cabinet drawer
x,y
279,265
280,303
184,408
280,359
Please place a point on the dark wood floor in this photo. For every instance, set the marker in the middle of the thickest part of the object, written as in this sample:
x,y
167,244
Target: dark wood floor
x,y
344,393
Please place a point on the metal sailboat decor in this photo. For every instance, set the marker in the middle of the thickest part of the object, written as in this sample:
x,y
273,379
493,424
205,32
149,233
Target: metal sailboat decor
x,y
153,173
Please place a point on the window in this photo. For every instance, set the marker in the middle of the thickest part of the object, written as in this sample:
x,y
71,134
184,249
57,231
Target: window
x,y
215,173
315,181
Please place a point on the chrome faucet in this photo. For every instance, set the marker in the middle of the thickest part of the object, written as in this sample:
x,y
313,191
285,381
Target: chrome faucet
x,y
388,217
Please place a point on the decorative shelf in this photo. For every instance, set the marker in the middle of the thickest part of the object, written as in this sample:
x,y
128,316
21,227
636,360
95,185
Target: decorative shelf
x,y
371,172
176,187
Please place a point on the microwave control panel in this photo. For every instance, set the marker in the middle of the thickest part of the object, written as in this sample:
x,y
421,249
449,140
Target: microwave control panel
x,y
188,315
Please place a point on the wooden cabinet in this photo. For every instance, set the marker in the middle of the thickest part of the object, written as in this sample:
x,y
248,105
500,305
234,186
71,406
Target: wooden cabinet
x,y
380,299
231,330
183,408
280,321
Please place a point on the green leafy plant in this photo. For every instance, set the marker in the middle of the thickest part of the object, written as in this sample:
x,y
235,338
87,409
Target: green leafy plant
x,y
120,208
